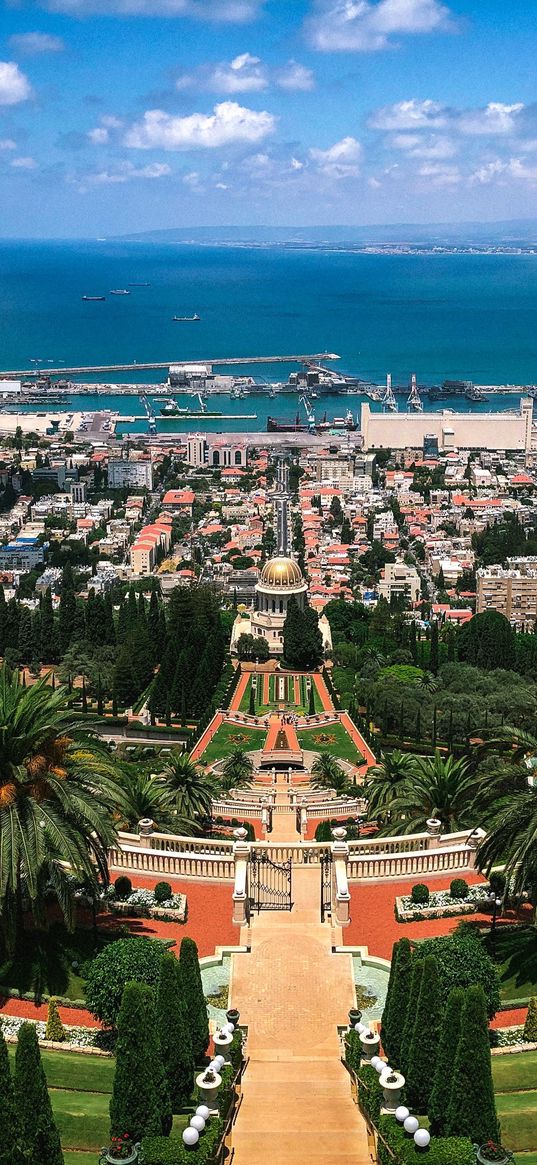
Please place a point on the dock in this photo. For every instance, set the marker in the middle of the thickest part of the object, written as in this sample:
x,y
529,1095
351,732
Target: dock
x,y
149,366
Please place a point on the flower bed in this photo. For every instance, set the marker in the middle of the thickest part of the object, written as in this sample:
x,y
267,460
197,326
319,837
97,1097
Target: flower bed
x,y
512,1038
89,1039
142,904
442,905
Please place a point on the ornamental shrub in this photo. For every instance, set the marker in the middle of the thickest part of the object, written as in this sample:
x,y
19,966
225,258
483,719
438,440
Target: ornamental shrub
x,y
9,1138
459,888
196,1006
162,892
140,1103
424,1046
353,1050
403,1151
369,1093
530,1026
462,961
54,1029
121,962
123,887
445,1060
392,1032
171,1151
39,1137
471,1110
174,1033
408,1030
420,893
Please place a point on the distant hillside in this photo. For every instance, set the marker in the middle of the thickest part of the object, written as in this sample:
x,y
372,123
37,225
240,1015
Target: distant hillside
x,y
511,232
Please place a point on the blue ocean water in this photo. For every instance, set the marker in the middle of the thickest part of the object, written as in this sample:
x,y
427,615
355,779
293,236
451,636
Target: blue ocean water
x,y
441,316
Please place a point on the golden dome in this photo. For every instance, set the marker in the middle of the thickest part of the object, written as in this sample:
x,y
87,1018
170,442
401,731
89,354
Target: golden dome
x,y
281,572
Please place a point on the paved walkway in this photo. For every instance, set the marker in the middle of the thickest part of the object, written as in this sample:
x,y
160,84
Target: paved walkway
x,y
292,992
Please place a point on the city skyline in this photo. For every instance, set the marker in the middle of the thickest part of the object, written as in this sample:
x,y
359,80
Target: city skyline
x,y
126,115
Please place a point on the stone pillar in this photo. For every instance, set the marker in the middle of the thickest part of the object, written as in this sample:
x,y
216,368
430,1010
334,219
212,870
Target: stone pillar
x,y
472,843
264,815
303,817
340,857
241,857
434,829
145,829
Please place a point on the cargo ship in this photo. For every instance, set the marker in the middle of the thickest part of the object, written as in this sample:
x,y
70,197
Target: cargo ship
x,y
94,298
186,319
278,425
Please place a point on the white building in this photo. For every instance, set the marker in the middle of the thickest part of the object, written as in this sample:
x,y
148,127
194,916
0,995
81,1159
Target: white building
x,y
122,472
453,430
280,580
400,579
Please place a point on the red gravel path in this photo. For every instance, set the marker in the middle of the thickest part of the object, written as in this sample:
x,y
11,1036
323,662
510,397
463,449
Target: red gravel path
x,y
239,692
509,1018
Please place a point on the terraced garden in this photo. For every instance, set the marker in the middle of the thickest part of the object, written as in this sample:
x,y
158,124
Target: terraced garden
x,y
268,699
329,738
231,736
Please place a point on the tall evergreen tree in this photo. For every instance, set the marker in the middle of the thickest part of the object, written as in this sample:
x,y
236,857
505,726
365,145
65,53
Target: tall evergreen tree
x,y
3,617
471,1109
413,998
395,1010
39,1136
423,1048
433,654
174,1032
445,1060
25,637
10,1132
49,643
11,626
194,997
67,608
122,621
140,1103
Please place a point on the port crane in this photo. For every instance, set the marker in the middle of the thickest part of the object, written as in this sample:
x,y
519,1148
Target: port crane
x,y
388,400
203,403
310,415
150,414
414,400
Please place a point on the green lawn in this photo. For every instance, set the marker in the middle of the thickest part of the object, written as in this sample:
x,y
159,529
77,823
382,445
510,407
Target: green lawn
x,y
274,704
515,1078
337,741
80,1088
231,736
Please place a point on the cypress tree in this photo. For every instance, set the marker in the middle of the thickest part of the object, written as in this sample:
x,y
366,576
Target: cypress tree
x,y
433,654
445,1060
3,616
25,637
132,610
251,706
84,696
174,1033
471,1110
36,635
67,608
387,1002
137,1105
54,1029
11,626
9,1137
194,998
122,622
413,998
110,630
40,1141
397,1000
423,1048
311,701
48,630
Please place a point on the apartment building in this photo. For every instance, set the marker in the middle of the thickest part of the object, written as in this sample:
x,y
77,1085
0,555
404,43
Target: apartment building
x,y
511,590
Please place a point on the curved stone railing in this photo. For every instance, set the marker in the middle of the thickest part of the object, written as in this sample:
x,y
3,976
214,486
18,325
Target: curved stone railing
x,y
363,867
174,863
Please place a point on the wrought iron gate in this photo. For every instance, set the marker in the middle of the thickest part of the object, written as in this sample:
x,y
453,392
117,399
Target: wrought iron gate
x,y
326,884
270,883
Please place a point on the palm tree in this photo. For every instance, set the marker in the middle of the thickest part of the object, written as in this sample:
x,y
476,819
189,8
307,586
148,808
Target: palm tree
x,y
191,791
439,787
143,796
237,771
515,744
327,773
383,781
58,792
511,840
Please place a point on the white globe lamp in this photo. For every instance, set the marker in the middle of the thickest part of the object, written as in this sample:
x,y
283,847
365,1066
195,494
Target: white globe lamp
x,y
422,1138
411,1125
376,1060
198,1123
190,1137
203,1110
219,1061
401,1113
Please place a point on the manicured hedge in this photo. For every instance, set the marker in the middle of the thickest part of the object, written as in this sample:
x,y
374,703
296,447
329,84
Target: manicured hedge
x,y
172,1151
369,1093
441,1150
463,961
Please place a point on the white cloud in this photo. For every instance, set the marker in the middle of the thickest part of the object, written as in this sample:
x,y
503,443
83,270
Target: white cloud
x,y
424,147
364,26
496,118
99,136
440,175
227,124
224,11
244,74
340,160
7,144
32,44
411,114
24,164
295,76
497,170
126,172
14,85
192,180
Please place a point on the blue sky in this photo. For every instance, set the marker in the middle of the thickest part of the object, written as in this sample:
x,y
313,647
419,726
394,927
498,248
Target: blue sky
x,y
124,115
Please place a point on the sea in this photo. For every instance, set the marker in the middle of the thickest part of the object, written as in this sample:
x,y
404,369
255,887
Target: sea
x,y
442,316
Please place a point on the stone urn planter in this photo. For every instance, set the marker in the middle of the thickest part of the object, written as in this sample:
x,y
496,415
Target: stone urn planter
x,y
233,1016
392,1084
370,1042
222,1043
355,1016
492,1154
208,1084
110,1156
